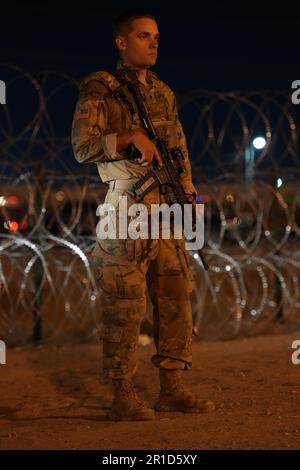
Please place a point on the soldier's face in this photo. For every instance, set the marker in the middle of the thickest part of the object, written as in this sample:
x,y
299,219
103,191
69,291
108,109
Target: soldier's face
x,y
139,47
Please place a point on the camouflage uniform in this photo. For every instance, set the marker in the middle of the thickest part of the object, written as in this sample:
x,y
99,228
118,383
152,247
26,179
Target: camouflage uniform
x,y
99,117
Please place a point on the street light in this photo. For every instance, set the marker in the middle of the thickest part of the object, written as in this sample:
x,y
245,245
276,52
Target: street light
x,y
257,144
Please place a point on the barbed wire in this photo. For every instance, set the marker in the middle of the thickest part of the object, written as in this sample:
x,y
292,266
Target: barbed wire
x,y
48,208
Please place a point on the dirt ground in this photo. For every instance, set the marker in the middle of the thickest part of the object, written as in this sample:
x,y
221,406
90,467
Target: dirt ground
x,y
54,398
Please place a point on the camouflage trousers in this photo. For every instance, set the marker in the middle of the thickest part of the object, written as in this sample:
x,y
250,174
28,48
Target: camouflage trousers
x,y
165,272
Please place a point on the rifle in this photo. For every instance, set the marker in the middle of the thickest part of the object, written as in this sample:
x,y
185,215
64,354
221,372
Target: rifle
x,y
166,177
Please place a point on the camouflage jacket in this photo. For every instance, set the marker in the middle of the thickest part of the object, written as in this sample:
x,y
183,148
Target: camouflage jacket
x,y
100,115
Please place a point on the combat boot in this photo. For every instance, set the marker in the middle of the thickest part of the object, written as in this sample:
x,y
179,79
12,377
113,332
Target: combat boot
x,y
175,397
126,404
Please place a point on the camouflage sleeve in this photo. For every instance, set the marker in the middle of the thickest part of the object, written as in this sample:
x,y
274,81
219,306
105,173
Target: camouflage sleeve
x,y
186,177
89,126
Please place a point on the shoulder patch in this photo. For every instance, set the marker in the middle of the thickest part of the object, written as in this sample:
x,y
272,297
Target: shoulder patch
x,y
82,111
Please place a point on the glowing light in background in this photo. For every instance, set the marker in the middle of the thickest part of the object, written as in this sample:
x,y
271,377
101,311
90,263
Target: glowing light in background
x,y
259,143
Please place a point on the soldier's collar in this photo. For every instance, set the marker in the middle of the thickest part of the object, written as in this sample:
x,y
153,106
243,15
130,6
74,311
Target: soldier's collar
x,y
121,66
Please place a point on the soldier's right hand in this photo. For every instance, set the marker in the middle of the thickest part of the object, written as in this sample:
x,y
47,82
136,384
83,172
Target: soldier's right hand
x,y
146,147
140,140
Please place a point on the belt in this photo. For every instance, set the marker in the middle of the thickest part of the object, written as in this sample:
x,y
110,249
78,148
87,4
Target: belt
x,y
122,184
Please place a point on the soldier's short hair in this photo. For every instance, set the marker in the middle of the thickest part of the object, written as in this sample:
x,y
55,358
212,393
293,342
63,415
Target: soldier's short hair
x,y
122,24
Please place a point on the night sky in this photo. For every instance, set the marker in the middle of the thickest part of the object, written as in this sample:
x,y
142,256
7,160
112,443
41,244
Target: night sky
x,y
208,44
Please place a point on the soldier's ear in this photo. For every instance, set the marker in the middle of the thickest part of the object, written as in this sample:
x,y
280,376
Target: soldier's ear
x,y
120,42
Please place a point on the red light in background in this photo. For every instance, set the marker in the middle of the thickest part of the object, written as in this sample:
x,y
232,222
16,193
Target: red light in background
x,y
12,200
13,225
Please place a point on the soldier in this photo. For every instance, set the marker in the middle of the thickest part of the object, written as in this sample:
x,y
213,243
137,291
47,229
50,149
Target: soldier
x,y
105,124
